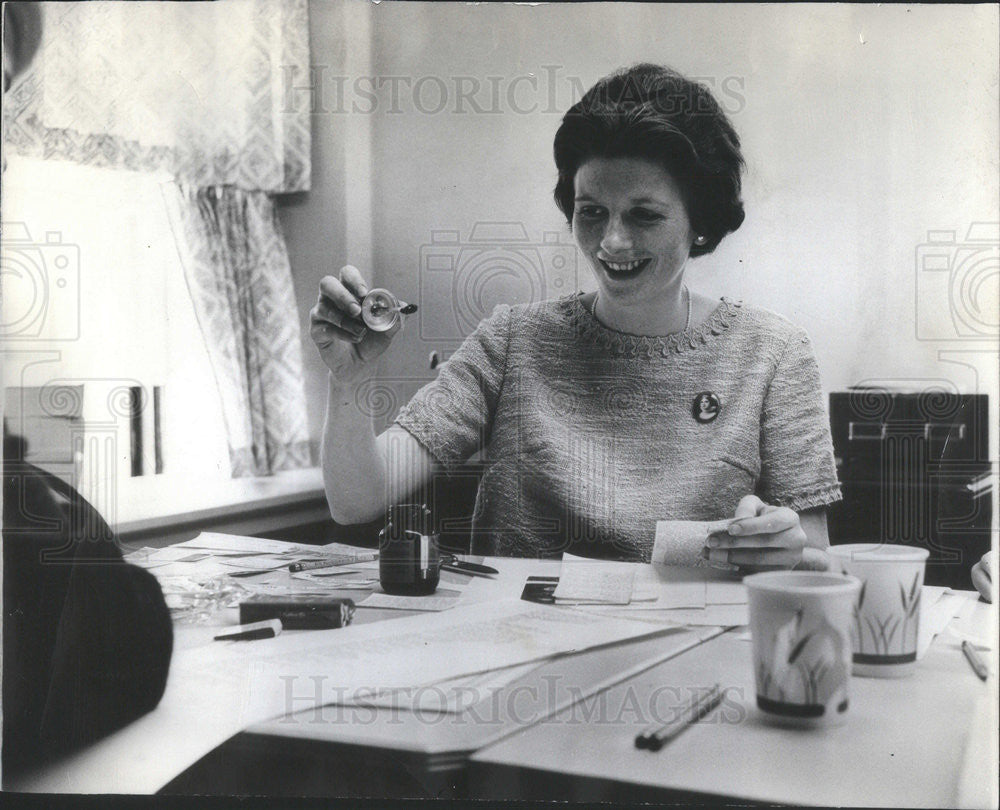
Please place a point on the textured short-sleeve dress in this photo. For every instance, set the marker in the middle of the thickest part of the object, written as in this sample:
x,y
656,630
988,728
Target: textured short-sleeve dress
x,y
591,435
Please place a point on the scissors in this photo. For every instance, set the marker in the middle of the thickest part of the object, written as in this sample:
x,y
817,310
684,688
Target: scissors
x,y
449,562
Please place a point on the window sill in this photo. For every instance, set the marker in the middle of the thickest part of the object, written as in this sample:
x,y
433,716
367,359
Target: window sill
x,y
157,512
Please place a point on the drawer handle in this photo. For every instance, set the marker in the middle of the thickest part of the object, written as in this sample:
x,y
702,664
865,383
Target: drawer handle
x,y
865,432
951,432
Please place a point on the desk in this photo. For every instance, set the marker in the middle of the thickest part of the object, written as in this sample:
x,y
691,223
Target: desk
x,y
888,752
906,743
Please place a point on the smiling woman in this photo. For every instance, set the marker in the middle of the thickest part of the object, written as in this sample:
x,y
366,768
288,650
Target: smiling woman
x,y
599,414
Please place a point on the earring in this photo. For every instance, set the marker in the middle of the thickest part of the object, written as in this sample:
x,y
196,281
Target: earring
x,y
700,240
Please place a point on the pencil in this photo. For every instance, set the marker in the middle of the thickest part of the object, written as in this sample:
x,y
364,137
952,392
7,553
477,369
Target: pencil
x,y
975,661
330,562
656,737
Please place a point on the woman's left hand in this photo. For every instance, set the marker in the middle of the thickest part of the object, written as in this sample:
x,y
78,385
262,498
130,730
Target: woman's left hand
x,y
762,537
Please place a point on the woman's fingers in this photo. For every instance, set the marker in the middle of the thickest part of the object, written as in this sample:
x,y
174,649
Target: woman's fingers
x,y
982,581
782,558
755,557
324,333
336,320
339,296
792,537
814,559
353,281
749,506
338,307
987,563
324,312
760,537
770,520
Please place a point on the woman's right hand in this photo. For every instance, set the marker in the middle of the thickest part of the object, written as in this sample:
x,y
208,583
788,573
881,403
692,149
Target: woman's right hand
x,y
348,348
983,574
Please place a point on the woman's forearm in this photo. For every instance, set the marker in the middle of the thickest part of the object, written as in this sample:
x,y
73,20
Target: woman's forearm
x,y
353,467
814,556
813,523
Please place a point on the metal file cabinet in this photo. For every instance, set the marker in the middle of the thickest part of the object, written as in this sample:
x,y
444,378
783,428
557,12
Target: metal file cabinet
x,y
914,470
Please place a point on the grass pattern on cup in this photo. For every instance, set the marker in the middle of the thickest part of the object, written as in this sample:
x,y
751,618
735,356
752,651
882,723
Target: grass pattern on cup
x,y
858,641
911,604
882,631
765,677
789,664
812,680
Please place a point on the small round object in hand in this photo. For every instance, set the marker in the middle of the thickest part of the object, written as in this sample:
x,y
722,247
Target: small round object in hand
x,y
380,310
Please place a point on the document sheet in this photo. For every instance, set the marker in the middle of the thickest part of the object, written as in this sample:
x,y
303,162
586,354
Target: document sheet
x,y
217,689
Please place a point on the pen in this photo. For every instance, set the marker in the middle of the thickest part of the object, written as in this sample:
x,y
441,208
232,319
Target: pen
x,y
975,660
655,737
268,628
330,562
452,563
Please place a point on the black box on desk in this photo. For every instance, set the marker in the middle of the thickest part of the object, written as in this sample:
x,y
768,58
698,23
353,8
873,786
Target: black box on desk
x,y
304,612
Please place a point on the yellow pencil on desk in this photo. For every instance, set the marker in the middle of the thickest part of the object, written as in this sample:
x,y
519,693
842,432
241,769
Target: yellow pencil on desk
x,y
330,562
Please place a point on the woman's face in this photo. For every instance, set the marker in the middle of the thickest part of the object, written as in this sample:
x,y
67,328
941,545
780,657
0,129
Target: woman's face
x,y
631,223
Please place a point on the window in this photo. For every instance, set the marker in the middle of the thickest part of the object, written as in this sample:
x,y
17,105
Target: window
x,y
95,298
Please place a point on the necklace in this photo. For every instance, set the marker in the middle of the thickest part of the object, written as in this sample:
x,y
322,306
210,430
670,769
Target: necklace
x,y
687,294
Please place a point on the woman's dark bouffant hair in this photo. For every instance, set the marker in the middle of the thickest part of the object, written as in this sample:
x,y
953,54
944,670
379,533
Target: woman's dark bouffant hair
x,y
651,112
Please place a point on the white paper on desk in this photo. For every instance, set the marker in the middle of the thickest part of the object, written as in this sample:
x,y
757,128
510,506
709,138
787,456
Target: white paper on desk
x,y
645,591
725,592
653,597
254,563
202,570
365,565
708,616
147,557
587,581
450,696
671,593
236,545
341,548
283,587
337,578
972,622
214,691
350,585
660,618
433,646
937,608
937,614
441,600
712,616
218,542
657,587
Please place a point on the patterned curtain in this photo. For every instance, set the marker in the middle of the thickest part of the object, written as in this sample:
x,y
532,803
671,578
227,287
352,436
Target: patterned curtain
x,y
203,91
237,270
196,89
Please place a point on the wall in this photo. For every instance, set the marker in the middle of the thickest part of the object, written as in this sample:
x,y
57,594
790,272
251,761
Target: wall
x,y
864,128
330,225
